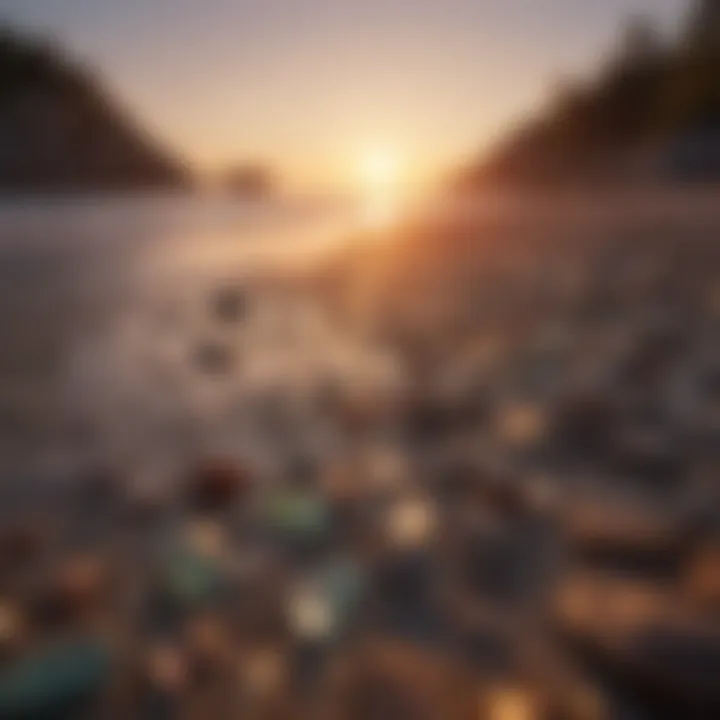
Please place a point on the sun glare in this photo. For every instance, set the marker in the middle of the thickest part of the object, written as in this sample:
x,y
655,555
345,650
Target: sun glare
x,y
379,170
379,176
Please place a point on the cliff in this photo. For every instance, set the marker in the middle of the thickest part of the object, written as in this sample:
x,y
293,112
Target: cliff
x,y
60,132
652,113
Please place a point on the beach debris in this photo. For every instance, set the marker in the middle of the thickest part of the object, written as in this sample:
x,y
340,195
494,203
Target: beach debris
x,y
311,615
259,609
147,498
603,611
343,580
214,358
56,680
216,484
209,645
623,538
299,516
386,468
191,579
207,538
163,681
74,589
522,425
396,680
411,523
263,672
13,626
166,669
21,543
229,304
323,605
511,703
342,485
702,576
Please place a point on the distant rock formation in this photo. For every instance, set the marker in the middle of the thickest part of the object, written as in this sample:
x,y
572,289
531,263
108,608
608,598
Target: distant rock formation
x,y
651,114
60,133
250,181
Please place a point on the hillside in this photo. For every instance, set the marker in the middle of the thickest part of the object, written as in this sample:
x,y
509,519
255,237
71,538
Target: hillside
x,y
651,113
60,132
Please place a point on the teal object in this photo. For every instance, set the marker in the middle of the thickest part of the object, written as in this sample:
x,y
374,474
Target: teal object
x,y
343,584
192,579
300,516
50,684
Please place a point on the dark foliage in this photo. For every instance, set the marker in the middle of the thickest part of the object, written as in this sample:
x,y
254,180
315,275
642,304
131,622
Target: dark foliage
x,y
652,111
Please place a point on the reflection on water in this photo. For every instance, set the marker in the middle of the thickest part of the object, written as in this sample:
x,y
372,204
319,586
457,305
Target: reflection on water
x,y
134,328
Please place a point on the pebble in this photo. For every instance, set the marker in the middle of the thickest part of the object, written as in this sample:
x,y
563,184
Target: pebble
x,y
191,580
73,591
54,681
702,577
216,484
214,359
411,523
229,304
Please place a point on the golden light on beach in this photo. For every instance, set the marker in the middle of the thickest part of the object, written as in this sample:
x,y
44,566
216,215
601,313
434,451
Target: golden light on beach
x,y
380,176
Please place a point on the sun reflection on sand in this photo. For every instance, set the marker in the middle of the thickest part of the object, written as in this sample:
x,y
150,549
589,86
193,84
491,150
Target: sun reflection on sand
x,y
380,211
380,171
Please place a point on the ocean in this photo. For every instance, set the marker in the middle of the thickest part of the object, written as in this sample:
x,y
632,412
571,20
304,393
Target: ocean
x,y
114,342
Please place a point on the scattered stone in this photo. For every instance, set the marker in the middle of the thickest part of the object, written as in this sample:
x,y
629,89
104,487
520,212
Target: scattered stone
x,y
229,304
512,703
585,424
702,577
13,628
411,523
393,680
209,646
20,544
323,606
602,612
301,518
191,580
216,484
264,672
163,683
620,538
167,669
522,425
74,589
214,359
55,682
311,615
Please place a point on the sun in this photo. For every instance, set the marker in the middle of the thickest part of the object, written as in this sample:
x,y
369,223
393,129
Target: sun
x,y
380,176
379,170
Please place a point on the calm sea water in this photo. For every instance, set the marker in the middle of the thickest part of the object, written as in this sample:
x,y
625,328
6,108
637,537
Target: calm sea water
x,y
132,329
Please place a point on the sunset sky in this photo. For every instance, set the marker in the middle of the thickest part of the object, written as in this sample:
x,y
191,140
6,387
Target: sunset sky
x,y
309,86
